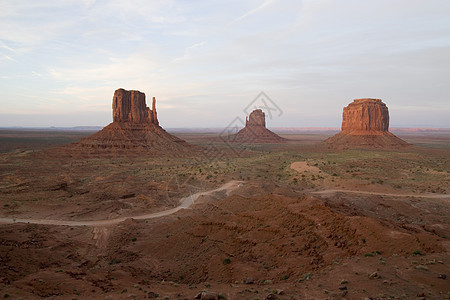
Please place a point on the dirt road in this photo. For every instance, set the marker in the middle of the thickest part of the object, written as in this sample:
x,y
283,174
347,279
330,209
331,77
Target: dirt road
x,y
333,191
302,167
185,202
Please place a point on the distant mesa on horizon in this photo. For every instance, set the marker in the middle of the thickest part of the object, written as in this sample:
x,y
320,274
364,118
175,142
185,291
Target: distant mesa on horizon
x,y
365,124
135,130
255,130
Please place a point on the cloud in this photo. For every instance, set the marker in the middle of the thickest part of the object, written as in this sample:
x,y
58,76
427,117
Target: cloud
x,y
196,45
114,69
7,57
4,46
253,11
188,52
36,74
201,57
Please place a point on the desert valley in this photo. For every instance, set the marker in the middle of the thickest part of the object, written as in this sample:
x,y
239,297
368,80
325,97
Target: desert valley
x,y
135,212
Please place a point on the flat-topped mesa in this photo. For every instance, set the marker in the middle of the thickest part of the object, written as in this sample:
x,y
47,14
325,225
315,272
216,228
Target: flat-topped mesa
x,y
130,106
365,115
256,118
365,124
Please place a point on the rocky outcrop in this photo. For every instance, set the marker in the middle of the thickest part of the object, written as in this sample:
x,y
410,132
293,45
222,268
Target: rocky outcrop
x,y
255,130
130,106
365,124
135,130
256,118
366,115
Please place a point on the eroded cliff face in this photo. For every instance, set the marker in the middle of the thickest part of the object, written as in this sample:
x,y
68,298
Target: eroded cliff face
x,y
365,115
130,106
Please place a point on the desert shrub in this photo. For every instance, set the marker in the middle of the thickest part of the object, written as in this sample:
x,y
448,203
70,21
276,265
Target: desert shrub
x,y
285,277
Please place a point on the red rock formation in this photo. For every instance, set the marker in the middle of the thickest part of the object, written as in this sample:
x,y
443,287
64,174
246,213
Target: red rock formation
x,y
154,116
255,130
129,106
365,124
256,118
366,114
135,130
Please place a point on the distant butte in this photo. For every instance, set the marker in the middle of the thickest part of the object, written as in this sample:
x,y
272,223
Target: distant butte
x,y
365,124
135,130
255,130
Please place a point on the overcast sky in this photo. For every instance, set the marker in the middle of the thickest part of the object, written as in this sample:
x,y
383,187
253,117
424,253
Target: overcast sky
x,y
206,61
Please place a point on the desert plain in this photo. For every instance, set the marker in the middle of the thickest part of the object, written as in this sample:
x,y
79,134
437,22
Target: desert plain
x,y
294,220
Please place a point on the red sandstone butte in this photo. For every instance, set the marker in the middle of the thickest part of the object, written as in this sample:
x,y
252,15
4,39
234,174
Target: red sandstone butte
x,y
135,130
255,130
365,124
366,115
130,106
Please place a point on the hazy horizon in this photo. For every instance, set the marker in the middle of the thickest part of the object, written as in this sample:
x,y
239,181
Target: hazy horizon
x,y
205,62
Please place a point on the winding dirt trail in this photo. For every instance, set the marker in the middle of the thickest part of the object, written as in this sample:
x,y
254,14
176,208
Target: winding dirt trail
x,y
334,191
185,202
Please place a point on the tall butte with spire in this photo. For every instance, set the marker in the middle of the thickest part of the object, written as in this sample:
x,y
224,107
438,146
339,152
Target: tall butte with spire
x,y
135,130
365,124
130,106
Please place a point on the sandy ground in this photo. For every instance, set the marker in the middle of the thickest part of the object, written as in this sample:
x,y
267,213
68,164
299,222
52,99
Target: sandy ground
x,y
185,203
242,247
357,225
430,196
303,166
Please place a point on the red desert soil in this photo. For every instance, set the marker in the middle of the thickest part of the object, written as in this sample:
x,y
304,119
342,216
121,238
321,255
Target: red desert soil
x,y
304,168
184,203
242,246
279,235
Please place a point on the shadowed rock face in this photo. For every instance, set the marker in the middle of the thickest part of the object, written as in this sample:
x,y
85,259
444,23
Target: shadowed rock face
x,y
130,106
365,124
366,115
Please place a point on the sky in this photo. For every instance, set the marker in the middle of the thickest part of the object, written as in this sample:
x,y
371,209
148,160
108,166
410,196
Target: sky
x,y
207,61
